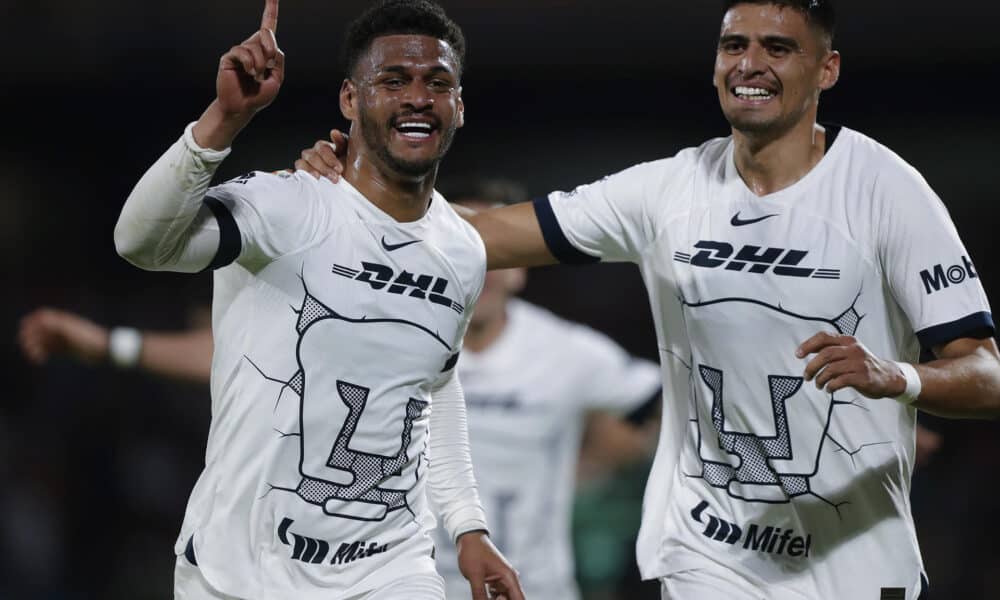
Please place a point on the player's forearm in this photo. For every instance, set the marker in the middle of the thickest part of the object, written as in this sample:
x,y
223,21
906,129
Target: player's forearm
x,y
186,356
216,129
512,236
962,387
452,485
160,225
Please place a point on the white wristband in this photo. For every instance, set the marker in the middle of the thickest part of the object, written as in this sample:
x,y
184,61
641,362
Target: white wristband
x,y
913,384
124,347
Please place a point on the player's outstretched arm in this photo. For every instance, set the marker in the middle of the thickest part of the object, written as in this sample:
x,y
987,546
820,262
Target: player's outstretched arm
x,y
184,355
164,224
964,381
512,234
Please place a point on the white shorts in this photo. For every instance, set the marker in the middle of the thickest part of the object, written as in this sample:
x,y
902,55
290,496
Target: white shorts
x,y
708,584
190,585
713,584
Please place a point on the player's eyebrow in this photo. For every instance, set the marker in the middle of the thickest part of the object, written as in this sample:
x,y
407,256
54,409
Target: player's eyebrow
x,y
733,37
767,40
402,70
781,40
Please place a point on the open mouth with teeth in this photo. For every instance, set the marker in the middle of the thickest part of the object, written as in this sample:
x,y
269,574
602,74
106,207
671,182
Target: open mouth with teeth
x,y
753,94
414,130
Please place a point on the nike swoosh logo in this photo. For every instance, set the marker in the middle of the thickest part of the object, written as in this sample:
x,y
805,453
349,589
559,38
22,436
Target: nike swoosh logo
x,y
738,222
390,247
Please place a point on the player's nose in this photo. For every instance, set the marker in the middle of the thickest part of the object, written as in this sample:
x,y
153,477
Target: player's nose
x,y
418,95
753,61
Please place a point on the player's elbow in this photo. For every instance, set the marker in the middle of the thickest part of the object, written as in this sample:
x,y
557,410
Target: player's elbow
x,y
992,408
134,247
989,382
130,246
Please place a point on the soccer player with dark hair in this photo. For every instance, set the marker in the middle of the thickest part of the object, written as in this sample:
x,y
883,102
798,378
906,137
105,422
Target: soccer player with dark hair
x,y
532,383
338,317
795,271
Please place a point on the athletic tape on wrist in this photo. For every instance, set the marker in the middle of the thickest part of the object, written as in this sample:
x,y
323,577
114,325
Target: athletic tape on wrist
x,y
124,347
913,384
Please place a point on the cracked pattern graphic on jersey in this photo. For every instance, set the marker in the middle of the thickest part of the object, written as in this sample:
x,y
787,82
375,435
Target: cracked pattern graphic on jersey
x,y
752,465
369,469
364,486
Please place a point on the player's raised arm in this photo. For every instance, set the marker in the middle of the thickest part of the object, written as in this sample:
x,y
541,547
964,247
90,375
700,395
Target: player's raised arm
x,y
164,224
249,77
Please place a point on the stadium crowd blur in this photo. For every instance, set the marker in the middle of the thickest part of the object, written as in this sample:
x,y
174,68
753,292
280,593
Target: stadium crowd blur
x,y
97,464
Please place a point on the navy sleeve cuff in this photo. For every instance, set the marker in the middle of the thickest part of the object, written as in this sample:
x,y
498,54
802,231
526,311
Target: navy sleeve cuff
x,y
230,244
977,325
555,239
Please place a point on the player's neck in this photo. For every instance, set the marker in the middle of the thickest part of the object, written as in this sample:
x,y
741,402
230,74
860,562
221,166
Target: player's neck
x,y
481,334
768,164
405,199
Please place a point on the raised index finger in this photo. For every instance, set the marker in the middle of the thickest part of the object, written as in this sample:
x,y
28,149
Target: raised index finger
x,y
270,18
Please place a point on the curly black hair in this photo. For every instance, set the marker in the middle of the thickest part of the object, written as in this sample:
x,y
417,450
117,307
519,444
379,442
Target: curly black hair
x,y
401,17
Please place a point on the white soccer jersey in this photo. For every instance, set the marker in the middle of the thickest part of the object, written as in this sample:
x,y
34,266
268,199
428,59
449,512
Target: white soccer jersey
x,y
331,328
803,492
527,395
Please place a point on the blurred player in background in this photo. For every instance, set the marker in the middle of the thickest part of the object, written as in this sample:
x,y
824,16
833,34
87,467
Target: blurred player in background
x,y
530,380
338,317
795,270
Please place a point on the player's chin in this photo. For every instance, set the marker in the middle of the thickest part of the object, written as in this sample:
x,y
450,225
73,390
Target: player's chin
x,y
415,164
750,121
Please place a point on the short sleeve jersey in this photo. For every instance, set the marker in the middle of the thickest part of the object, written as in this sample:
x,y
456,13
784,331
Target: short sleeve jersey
x,y
802,491
528,394
332,324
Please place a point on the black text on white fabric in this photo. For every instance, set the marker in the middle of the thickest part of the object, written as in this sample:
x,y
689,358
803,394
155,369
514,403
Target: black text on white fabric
x,y
779,261
941,277
381,277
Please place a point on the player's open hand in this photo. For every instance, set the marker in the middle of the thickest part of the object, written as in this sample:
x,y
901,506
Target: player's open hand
x,y
47,331
325,158
490,575
251,73
842,361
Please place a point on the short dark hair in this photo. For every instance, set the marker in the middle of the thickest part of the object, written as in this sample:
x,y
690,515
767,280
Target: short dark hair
x,y
401,17
818,13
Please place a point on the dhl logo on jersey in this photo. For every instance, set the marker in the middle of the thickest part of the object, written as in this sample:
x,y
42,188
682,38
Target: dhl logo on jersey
x,y
753,259
381,277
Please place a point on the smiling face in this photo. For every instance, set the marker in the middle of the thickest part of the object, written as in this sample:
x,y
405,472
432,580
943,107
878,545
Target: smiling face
x,y
770,68
405,99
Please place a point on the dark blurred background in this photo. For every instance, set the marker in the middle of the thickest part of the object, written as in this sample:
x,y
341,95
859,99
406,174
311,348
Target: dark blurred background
x,y
97,464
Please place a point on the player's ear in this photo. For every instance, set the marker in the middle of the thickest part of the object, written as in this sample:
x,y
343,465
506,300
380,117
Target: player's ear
x,y
830,73
349,100
460,117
